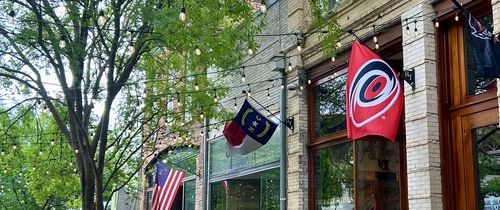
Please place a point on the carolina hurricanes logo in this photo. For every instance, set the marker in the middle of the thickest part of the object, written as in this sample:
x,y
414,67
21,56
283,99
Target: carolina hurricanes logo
x,y
375,88
477,29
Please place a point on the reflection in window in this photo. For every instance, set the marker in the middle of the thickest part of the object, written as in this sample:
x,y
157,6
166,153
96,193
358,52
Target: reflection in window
x,y
329,106
334,177
378,171
475,84
189,194
487,151
254,191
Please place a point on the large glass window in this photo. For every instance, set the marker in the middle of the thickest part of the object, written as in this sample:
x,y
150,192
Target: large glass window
x,y
487,156
475,84
189,194
329,106
255,191
378,172
334,177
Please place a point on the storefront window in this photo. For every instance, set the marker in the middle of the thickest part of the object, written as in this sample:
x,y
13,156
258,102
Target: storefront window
x,y
329,106
255,191
487,152
334,180
189,194
475,84
221,164
378,172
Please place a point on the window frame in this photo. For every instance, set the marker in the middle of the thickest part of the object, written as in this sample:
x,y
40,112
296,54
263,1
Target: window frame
x,y
316,143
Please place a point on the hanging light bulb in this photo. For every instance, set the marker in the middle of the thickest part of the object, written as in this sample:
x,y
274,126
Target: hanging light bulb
x,y
76,151
101,20
14,147
196,87
407,29
74,170
301,86
339,44
436,23
250,51
375,39
377,46
34,168
201,115
197,51
309,81
131,47
249,92
290,67
243,77
47,172
40,152
5,170
268,94
235,104
52,142
282,86
182,15
2,153
299,48
333,59
263,7
215,96
62,41
456,17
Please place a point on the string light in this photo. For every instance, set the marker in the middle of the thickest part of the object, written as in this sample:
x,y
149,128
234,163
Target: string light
x,y
377,46
299,47
197,51
196,87
47,172
309,81
268,94
375,39
215,96
40,152
76,151
416,30
62,41
52,142
182,15
131,47
243,77
235,104
14,147
34,168
250,51
456,17
290,67
339,44
436,23
5,170
101,20
333,59
263,7
282,86
249,93
2,152
201,115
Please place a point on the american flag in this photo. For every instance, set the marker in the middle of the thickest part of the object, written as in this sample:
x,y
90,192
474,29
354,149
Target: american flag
x,y
166,185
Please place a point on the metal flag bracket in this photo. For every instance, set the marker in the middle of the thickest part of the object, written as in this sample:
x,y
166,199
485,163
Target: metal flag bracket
x,y
289,122
409,77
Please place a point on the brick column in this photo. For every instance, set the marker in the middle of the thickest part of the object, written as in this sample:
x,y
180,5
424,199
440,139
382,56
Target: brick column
x,y
421,112
296,147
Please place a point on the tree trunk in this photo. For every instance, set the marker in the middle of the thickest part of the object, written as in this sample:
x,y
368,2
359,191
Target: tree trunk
x,y
88,187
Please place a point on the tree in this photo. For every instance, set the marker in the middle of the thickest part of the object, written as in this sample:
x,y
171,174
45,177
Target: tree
x,y
86,61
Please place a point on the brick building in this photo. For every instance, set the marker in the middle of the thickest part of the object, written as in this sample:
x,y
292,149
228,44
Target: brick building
x,y
446,152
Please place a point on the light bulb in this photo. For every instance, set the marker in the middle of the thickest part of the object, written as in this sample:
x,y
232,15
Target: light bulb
x,y
436,23
375,39
376,46
282,86
182,15
197,51
299,48
263,7
456,17
102,19
52,142
201,115
40,152
301,87
407,29
250,51
14,147
290,67
76,151
196,87
215,99
62,43
131,47
339,44
34,168
5,171
268,96
333,59
309,81
74,170
243,78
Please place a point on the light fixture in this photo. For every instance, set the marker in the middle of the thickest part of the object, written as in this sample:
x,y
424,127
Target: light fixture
x,y
249,92
196,87
299,48
40,152
377,46
201,115
375,40
407,29
101,20
436,23
243,77
456,17
76,151
197,51
62,41
250,51
14,147
339,44
182,15
263,7
215,96
333,58
309,81
52,142
268,94
290,68
34,168
131,47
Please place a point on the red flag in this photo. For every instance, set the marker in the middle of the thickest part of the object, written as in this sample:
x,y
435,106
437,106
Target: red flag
x,y
374,95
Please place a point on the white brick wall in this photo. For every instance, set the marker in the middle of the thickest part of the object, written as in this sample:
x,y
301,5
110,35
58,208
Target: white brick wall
x,y
421,114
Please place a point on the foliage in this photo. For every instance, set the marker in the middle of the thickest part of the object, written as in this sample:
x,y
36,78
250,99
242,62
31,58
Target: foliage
x,y
326,22
336,174
108,70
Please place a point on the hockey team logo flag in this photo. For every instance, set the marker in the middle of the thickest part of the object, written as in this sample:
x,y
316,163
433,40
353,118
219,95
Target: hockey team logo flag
x,y
248,131
374,96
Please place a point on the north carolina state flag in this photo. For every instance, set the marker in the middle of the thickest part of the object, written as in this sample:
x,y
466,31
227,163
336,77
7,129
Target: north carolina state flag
x,y
374,96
